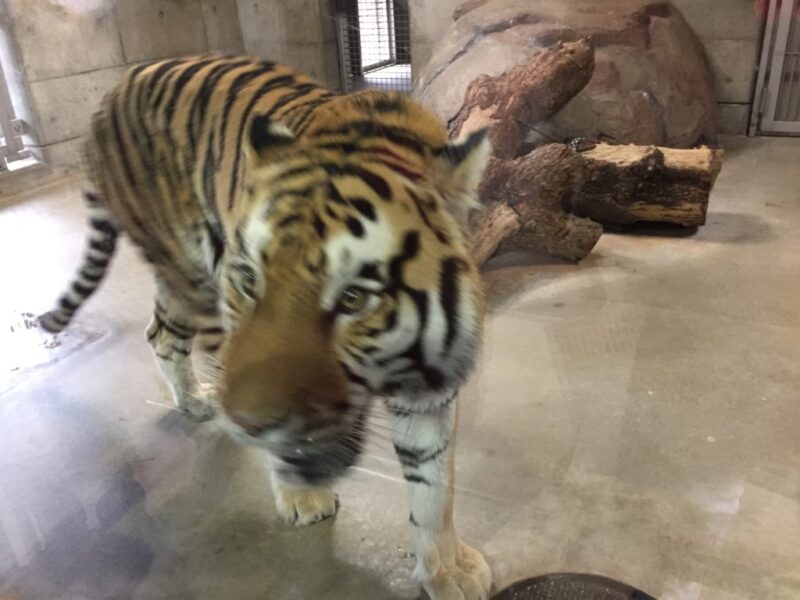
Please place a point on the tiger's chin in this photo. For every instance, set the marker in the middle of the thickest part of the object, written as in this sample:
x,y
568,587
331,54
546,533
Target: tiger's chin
x,y
307,458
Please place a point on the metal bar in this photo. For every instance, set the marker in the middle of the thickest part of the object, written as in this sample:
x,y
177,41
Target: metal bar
x,y
783,16
13,148
762,91
794,92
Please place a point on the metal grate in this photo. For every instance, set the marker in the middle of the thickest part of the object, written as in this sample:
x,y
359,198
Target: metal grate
x,y
374,44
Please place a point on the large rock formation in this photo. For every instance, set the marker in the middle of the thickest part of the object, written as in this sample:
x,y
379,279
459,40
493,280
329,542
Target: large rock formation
x,y
651,83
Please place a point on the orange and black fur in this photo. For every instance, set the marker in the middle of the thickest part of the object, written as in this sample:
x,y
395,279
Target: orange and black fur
x,y
314,243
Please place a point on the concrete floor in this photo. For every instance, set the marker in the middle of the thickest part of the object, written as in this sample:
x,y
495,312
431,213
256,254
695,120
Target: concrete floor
x,y
635,416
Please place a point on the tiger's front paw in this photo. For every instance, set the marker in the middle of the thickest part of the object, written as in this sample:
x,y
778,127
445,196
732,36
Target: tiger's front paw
x,y
305,506
465,576
200,406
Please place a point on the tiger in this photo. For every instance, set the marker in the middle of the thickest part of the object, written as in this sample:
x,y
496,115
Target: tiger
x,y
314,245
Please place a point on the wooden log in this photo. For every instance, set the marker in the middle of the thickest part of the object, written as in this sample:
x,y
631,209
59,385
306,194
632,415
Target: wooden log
x,y
626,184
524,201
490,227
510,103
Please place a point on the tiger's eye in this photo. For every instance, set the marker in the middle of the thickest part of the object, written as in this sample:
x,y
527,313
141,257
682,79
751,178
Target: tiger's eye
x,y
353,300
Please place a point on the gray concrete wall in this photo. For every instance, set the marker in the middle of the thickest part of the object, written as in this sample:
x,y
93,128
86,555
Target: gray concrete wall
x,y
300,33
70,52
728,29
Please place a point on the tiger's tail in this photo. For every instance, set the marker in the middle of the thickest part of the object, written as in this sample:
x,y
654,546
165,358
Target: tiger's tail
x,y
101,243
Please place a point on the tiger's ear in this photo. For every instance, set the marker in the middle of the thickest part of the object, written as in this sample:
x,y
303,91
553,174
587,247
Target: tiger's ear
x,y
267,138
463,162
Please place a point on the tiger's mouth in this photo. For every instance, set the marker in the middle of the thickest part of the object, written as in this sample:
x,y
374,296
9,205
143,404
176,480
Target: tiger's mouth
x,y
309,457
319,461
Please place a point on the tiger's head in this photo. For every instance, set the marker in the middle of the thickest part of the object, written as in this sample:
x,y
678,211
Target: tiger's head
x,y
349,277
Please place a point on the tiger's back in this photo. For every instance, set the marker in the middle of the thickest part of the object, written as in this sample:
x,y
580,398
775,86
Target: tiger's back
x,y
165,151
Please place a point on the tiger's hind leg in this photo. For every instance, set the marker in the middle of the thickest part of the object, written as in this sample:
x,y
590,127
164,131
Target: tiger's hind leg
x,y
170,333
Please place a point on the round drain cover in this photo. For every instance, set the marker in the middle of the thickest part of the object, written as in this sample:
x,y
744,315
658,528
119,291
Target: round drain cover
x,y
570,586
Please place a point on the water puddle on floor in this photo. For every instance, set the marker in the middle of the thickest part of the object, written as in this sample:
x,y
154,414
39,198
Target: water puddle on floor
x,y
26,347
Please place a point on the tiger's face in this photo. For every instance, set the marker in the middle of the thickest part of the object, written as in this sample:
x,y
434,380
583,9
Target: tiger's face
x,y
349,277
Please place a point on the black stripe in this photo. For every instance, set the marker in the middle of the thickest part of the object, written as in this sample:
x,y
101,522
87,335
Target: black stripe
x,y
91,198
162,70
303,192
91,277
141,67
272,84
355,226
377,183
413,457
217,238
299,91
180,83
301,125
364,207
181,351
337,146
166,69
212,331
173,328
400,413
352,377
98,263
370,271
239,82
197,111
303,169
352,354
334,194
121,145
442,237
68,305
63,321
136,121
288,220
105,245
209,171
127,150
319,226
103,226
82,290
399,136
414,478
449,296
412,520
389,103
408,252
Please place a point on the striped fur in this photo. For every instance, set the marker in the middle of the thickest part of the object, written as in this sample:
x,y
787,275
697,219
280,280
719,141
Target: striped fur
x,y
315,243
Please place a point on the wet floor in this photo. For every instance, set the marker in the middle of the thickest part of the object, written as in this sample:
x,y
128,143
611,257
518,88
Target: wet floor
x,y
635,416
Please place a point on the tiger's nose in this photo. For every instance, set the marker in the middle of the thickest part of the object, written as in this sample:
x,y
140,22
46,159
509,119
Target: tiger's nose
x,y
248,422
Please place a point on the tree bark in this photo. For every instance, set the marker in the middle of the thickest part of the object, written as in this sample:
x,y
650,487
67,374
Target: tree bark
x,y
554,198
626,184
524,206
509,104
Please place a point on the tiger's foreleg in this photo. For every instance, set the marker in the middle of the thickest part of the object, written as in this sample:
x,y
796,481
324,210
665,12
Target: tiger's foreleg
x,y
170,333
425,445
